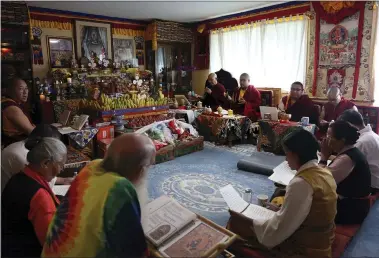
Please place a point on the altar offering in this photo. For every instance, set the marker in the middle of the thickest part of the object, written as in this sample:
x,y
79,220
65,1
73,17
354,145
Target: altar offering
x,y
230,112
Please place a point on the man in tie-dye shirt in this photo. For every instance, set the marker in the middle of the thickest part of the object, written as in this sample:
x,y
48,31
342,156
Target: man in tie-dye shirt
x,y
101,215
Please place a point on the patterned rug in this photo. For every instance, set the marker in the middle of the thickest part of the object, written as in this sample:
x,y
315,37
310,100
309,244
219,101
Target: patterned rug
x,y
194,180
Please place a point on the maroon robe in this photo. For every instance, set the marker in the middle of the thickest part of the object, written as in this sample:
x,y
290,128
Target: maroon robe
x,y
303,107
217,97
333,112
252,99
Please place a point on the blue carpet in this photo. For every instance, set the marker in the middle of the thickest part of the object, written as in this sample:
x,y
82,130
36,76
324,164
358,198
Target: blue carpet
x,y
194,181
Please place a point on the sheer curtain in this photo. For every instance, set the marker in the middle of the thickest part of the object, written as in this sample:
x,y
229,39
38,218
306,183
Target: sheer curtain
x,y
273,54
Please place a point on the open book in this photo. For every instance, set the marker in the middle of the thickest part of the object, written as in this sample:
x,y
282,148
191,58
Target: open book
x,y
237,204
63,119
283,174
77,126
177,232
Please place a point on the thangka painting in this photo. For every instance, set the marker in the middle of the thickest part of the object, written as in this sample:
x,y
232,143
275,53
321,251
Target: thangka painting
x,y
338,43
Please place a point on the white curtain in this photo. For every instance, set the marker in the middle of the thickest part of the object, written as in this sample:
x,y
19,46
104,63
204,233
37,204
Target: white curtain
x,y
274,55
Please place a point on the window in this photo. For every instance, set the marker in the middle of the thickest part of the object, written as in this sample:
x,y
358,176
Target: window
x,y
274,55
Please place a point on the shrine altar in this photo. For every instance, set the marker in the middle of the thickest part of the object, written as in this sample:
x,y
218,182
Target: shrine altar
x,y
271,134
223,129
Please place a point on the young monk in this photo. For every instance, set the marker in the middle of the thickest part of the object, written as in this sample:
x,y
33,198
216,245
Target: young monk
x,y
246,99
304,225
299,105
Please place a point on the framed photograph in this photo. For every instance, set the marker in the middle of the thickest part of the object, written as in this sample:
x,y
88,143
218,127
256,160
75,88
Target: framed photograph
x,y
93,37
60,51
123,49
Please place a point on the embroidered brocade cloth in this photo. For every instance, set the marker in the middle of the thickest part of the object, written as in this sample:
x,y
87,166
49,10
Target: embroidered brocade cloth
x,y
62,105
223,127
272,133
83,137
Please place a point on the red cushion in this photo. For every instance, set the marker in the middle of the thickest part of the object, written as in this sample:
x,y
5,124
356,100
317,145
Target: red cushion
x,y
347,230
373,198
339,245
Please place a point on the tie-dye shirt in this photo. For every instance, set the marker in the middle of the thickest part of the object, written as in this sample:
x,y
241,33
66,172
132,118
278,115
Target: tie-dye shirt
x,y
100,216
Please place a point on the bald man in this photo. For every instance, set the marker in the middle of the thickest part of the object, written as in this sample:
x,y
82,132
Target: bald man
x,y
16,125
335,106
215,93
100,215
246,99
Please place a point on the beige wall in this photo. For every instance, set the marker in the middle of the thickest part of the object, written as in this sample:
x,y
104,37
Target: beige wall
x,y
42,70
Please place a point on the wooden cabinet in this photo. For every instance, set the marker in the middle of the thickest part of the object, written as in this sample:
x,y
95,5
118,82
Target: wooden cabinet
x,y
171,65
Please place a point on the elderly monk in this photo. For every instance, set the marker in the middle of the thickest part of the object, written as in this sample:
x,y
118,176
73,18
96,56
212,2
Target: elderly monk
x,y
100,215
215,94
335,106
299,105
246,99
16,125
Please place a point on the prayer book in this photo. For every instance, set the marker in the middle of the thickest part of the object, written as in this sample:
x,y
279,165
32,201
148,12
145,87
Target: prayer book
x,y
77,126
174,231
239,205
60,189
63,119
283,174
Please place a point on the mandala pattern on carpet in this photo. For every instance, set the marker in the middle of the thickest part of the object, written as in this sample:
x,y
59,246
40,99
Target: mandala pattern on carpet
x,y
198,191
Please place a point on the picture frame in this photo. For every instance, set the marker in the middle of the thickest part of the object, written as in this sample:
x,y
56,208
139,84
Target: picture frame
x,y
124,49
60,51
93,37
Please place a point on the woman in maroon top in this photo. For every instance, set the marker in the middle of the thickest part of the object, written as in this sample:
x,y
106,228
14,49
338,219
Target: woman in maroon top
x,y
28,203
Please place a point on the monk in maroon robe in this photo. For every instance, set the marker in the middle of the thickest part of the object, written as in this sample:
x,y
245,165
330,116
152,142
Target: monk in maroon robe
x,y
215,95
246,99
335,106
299,105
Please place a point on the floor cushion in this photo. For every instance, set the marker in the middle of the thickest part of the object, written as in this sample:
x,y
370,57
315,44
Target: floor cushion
x,y
339,245
347,230
260,163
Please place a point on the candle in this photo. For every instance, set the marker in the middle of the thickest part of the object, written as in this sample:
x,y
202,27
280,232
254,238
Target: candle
x,y
42,97
69,80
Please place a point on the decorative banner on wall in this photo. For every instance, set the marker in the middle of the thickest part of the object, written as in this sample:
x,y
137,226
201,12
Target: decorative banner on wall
x,y
338,43
338,40
139,42
336,78
36,46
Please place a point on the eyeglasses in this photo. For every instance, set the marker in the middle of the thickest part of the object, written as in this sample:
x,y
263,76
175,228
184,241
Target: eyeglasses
x,y
296,89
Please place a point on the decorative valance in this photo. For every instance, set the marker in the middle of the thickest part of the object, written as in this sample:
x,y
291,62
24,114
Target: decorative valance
x,y
151,34
285,12
63,20
335,11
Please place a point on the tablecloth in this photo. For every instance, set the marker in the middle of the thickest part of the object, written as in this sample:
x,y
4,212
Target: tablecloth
x,y
223,127
271,134
83,137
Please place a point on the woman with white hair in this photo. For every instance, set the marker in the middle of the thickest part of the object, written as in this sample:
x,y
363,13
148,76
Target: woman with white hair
x,y
28,203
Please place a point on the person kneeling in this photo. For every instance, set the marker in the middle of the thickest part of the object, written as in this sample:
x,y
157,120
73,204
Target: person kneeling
x,y
304,225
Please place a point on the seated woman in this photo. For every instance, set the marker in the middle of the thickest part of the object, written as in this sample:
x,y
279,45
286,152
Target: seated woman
x,y
14,156
28,203
350,171
16,125
304,225
299,105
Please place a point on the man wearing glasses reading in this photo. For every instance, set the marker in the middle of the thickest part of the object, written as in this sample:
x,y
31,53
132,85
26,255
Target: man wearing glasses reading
x,y
299,105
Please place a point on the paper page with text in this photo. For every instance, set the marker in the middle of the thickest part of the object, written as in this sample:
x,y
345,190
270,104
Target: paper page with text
x,y
163,217
256,212
283,174
233,199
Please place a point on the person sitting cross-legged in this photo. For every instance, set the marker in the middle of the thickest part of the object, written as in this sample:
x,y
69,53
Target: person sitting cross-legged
x,y
304,225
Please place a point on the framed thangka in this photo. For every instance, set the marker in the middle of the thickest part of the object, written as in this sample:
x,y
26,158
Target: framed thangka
x,y
61,51
338,43
123,49
93,37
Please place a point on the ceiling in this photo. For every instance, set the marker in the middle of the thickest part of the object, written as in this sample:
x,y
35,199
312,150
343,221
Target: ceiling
x,y
186,11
